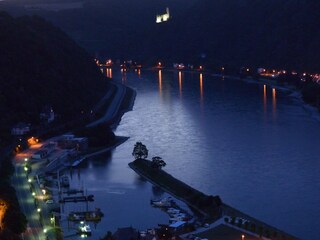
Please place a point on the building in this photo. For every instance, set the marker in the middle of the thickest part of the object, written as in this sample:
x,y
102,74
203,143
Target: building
x,y
20,129
47,115
164,17
71,142
41,154
177,227
49,147
127,233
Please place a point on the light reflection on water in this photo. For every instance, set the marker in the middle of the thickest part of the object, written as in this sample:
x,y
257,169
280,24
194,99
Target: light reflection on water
x,y
180,83
254,146
201,88
160,82
274,103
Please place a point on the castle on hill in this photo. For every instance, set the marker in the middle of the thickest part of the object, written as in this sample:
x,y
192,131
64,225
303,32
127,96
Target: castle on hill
x,y
164,17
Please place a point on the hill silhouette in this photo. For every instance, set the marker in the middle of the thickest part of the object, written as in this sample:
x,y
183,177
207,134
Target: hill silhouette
x,y
41,66
266,33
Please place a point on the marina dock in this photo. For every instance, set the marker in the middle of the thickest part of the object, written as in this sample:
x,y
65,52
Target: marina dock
x,y
88,198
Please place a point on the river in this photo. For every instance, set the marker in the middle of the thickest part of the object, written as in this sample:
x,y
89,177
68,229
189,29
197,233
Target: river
x,y
255,146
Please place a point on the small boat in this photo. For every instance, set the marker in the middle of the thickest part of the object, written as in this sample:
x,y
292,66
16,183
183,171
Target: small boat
x,y
89,216
77,162
173,211
84,229
181,215
165,202
176,219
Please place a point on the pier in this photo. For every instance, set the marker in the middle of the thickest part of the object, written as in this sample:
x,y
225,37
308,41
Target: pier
x,y
73,192
88,198
89,216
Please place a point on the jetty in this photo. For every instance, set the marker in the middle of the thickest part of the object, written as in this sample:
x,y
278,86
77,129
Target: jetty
x,y
208,206
211,208
73,191
88,198
89,216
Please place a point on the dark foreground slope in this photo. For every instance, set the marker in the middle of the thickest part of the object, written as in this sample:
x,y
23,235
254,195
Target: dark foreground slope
x,y
41,66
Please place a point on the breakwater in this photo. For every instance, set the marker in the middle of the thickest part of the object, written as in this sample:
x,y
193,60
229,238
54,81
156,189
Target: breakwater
x,y
208,206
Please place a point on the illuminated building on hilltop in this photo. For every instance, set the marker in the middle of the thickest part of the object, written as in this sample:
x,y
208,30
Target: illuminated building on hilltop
x,y
164,17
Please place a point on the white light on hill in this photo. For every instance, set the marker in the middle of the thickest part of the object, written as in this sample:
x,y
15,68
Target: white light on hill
x,y
164,17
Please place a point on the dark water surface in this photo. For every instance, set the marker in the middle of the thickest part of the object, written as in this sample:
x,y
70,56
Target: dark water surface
x,y
256,147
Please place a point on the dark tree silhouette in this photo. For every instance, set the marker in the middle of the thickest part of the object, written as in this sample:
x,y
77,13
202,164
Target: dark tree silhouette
x,y
140,151
158,163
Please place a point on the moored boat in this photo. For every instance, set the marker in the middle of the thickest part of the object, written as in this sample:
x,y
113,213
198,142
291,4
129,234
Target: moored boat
x,y
84,229
165,202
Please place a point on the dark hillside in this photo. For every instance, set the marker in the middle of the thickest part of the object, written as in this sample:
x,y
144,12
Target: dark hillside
x,y
41,66
264,33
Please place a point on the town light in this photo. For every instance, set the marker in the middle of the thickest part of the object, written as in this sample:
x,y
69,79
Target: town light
x,y
33,194
25,169
38,209
3,208
45,230
242,237
44,191
29,180
26,159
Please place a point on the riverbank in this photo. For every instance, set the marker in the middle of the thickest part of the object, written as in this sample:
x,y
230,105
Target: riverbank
x,y
116,102
293,91
211,212
272,83
119,105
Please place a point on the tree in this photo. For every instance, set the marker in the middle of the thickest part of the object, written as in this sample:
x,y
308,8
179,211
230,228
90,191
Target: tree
x,y
108,236
158,163
140,151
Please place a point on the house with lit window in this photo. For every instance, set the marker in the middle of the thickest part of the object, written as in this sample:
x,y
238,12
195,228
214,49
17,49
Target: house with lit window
x,y
47,115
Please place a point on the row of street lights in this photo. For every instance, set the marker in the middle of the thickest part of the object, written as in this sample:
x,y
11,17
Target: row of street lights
x,y
27,169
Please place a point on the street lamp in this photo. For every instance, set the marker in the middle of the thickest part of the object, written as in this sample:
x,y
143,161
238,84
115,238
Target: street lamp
x,y
45,230
38,209
25,169
242,237
26,159
29,180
